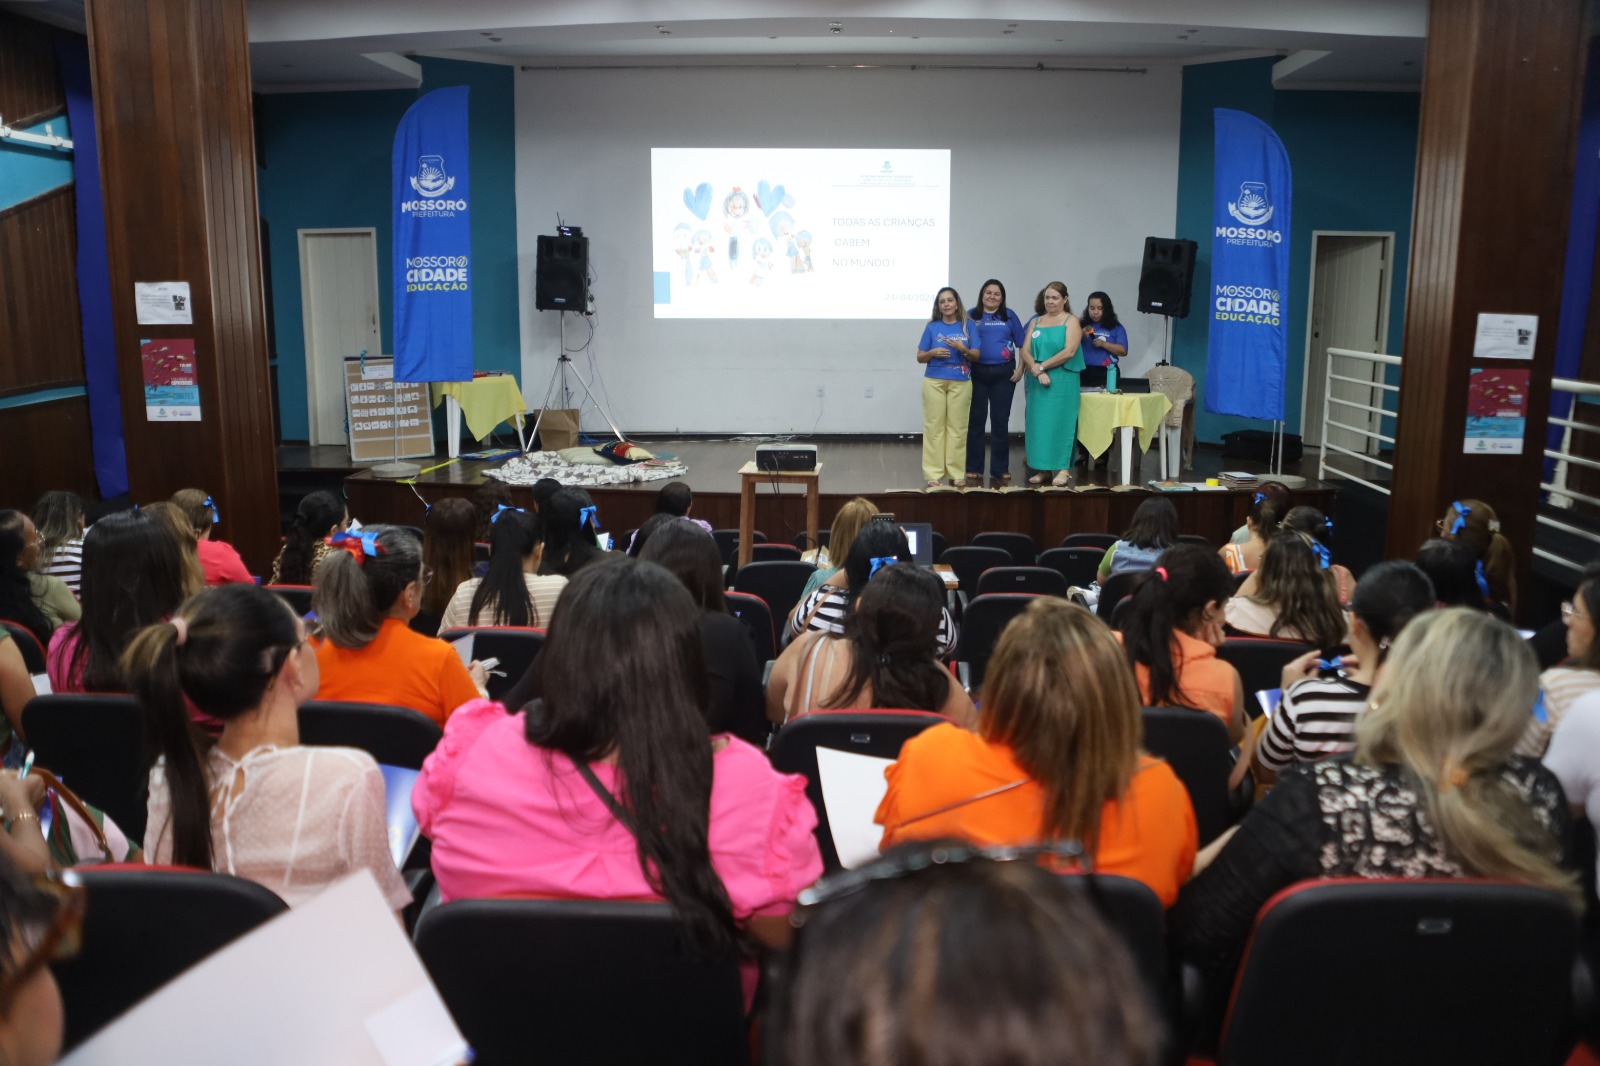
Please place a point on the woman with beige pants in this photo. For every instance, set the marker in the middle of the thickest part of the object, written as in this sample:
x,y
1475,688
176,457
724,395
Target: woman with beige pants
x,y
947,349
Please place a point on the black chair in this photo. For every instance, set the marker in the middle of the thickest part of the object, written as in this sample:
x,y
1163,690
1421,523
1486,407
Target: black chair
x,y
767,553
1134,912
1240,578
757,618
1020,546
299,597
940,545
580,981
802,542
28,644
728,542
145,925
1196,745
1033,580
480,550
970,562
1080,566
779,583
515,646
1113,591
1195,538
394,736
880,733
1260,662
1390,972
985,618
95,744
1089,540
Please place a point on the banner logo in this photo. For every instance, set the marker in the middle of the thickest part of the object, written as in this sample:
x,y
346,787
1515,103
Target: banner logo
x,y
1252,208
430,179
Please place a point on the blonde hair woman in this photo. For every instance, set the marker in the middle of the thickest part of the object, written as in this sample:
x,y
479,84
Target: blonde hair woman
x,y
1056,757
1432,791
829,558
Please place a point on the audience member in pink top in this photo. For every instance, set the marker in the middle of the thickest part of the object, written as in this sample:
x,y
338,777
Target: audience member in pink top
x,y
220,561
671,812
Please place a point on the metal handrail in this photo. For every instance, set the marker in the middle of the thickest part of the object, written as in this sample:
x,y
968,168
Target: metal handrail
x,y
1328,400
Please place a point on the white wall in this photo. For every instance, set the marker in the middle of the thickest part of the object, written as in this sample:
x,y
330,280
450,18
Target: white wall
x,y
1053,176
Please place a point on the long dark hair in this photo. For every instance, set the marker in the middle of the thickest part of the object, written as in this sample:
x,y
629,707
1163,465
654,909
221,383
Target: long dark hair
x,y
1186,579
648,708
447,534
877,540
486,503
134,575
1451,569
1300,592
690,555
654,523
237,639
1108,314
352,597
316,516
999,312
502,597
16,594
894,638
1387,597
569,535
1268,507
1154,524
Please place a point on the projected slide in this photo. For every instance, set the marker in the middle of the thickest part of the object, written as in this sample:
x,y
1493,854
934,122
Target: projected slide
x,y
799,232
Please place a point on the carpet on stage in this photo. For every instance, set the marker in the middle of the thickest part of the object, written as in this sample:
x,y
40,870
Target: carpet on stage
x,y
591,472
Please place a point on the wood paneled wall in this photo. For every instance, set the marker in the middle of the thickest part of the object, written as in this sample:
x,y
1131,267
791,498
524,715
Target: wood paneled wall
x,y
30,91
41,345
45,446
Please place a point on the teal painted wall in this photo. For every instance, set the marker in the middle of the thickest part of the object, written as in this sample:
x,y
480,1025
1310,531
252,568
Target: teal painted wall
x,y
326,165
29,170
1354,160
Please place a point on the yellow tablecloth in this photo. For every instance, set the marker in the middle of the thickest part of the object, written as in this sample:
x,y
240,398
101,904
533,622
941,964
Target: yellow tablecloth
x,y
1101,414
485,402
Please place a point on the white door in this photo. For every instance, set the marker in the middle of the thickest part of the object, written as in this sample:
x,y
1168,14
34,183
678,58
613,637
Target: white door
x,y
339,305
1349,309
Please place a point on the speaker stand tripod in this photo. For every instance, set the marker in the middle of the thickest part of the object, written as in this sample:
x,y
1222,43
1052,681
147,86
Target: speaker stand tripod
x,y
558,378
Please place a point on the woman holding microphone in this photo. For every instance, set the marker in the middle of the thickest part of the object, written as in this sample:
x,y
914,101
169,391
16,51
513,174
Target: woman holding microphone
x,y
1052,362
948,344
1000,338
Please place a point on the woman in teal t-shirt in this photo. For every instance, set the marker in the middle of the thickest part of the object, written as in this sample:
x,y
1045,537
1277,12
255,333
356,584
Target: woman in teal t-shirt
x,y
948,347
1051,360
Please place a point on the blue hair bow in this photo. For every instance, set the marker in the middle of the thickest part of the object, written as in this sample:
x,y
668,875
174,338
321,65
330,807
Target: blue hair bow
x,y
215,517
1483,581
1259,497
590,513
360,545
1462,510
1323,555
502,509
882,561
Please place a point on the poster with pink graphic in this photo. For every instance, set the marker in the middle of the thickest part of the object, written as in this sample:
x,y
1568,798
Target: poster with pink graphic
x,y
1497,412
171,386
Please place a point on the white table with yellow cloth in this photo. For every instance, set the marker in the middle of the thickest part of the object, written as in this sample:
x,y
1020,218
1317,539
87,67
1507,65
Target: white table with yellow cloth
x,y
1102,413
484,402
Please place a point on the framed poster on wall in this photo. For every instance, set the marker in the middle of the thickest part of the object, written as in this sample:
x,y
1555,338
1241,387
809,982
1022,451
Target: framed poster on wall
x,y
373,401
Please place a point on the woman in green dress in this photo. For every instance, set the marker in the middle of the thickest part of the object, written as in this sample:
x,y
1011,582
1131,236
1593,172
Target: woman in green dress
x,y
1052,363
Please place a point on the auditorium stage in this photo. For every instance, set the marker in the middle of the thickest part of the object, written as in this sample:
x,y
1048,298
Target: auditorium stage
x,y
886,471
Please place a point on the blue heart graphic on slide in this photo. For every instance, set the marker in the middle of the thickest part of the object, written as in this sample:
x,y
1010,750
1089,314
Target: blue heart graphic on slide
x,y
698,200
770,197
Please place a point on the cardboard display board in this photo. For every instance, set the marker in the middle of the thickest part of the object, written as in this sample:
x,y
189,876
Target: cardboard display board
x,y
371,397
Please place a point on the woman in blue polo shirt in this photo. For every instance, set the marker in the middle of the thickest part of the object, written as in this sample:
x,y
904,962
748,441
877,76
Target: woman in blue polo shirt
x,y
1105,342
994,383
948,345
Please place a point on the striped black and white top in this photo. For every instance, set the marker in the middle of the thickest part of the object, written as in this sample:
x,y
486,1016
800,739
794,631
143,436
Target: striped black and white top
x,y
67,563
1316,719
826,607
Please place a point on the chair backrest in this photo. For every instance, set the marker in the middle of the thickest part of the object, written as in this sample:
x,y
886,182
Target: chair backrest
x,y
970,562
1034,580
1080,565
394,736
1113,590
1259,662
480,551
515,647
28,644
1023,551
764,553
143,926
580,981
803,542
1195,744
95,744
1453,971
299,596
1134,912
878,733
757,618
985,618
1089,540
1240,578
779,582
940,544
1197,539
728,542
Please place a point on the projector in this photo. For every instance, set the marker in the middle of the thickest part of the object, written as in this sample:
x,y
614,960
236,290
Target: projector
x,y
786,458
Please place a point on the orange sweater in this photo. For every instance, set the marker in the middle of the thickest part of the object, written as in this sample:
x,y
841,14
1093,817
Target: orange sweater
x,y
1147,834
400,666
1206,681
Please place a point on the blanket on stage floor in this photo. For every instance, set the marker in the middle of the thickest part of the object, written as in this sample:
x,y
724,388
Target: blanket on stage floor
x,y
526,469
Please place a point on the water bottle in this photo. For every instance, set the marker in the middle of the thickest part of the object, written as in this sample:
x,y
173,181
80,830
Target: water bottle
x,y
1111,376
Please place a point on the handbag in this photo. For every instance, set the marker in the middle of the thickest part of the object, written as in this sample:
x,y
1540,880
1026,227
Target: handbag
x,y
80,834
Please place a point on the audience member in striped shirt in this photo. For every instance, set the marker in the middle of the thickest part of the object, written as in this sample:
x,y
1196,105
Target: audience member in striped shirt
x,y
1317,717
58,516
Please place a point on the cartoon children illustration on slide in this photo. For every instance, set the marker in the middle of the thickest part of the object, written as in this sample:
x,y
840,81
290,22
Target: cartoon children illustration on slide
x,y
701,254
735,220
681,239
783,230
761,260
803,239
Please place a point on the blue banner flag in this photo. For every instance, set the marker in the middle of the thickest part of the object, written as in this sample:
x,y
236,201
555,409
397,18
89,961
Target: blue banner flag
x,y
1249,297
432,241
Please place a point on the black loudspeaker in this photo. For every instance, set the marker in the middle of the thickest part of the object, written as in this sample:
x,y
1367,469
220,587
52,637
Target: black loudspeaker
x,y
1166,277
561,281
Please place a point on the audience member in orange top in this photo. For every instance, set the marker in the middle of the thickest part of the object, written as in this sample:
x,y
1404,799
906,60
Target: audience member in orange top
x,y
219,560
1056,757
1171,630
365,594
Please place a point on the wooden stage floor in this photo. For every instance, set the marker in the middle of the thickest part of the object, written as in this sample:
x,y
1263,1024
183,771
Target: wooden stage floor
x,y
887,471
